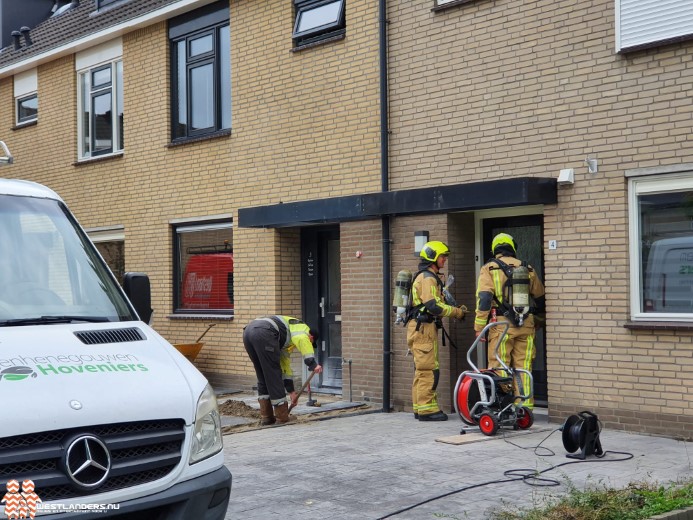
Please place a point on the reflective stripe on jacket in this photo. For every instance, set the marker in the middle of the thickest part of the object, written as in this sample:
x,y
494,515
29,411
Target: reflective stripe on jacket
x,y
492,282
426,292
297,336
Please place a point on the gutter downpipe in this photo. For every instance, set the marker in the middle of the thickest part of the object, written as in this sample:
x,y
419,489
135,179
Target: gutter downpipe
x,y
384,177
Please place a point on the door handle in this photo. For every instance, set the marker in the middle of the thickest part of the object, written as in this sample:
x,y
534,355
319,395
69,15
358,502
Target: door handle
x,y
322,307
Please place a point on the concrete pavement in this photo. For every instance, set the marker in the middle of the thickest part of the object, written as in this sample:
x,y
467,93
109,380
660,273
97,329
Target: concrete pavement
x,y
374,465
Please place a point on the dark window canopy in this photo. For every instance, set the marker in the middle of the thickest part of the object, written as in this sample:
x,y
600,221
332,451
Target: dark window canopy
x,y
523,191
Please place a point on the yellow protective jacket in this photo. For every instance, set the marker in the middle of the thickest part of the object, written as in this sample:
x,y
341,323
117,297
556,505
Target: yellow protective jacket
x,y
490,291
297,336
426,295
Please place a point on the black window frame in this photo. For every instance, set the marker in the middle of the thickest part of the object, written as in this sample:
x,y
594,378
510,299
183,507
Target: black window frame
x,y
322,32
211,19
178,270
24,120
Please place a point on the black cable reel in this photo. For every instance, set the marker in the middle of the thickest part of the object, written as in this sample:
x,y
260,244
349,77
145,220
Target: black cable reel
x,y
581,432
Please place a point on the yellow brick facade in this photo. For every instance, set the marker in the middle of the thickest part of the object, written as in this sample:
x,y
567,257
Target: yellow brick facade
x,y
304,126
489,90
477,92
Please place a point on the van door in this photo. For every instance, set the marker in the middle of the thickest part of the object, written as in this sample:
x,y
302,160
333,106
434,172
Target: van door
x,y
528,232
322,300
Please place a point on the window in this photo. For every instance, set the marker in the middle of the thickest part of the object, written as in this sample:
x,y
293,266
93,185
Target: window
x,y
27,109
642,23
203,268
101,110
201,72
319,20
661,242
26,97
110,242
100,4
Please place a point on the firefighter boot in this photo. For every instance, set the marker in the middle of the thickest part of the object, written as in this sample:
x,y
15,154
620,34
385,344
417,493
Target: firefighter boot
x,y
438,416
281,411
266,413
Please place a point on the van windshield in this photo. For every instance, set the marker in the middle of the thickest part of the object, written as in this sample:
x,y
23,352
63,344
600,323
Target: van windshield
x,y
49,270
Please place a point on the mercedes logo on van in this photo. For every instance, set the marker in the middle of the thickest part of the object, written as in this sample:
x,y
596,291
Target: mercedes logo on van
x,y
87,462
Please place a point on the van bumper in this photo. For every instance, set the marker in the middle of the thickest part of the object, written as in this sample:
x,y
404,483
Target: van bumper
x,y
204,498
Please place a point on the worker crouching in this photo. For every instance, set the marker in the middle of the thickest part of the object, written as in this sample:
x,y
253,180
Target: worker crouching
x,y
269,342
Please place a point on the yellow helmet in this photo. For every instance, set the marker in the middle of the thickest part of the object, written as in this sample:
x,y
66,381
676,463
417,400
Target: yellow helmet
x,y
433,249
500,239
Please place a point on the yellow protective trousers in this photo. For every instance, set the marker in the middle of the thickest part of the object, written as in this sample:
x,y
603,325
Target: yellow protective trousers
x,y
424,347
517,350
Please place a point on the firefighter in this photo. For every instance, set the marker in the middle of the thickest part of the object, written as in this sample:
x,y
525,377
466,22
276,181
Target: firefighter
x,y
269,342
517,349
428,307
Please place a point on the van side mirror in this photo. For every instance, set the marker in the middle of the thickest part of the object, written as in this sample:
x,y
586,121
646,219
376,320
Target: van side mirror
x,y
137,289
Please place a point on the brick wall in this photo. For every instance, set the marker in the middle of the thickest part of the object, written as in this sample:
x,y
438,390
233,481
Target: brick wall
x,y
305,126
488,90
362,309
480,91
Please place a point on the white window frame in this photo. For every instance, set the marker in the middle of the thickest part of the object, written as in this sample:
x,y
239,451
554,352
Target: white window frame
x,y
646,23
25,87
100,56
644,185
18,102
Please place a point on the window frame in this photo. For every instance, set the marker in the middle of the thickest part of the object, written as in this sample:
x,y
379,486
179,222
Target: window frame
x,y
649,185
18,100
110,235
100,4
86,91
213,20
322,31
186,226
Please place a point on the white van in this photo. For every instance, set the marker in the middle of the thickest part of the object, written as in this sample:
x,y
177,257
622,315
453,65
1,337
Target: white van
x,y
669,276
100,414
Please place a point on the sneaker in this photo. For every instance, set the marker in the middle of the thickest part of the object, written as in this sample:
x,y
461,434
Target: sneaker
x,y
438,416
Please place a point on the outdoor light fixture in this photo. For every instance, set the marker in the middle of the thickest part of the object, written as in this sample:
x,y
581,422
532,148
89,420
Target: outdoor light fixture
x,y
420,239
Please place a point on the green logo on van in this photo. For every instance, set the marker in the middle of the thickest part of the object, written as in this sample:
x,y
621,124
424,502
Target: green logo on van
x,y
16,373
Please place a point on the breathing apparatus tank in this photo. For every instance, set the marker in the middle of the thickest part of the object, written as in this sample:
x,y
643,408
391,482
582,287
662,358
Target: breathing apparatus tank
x,y
520,292
400,302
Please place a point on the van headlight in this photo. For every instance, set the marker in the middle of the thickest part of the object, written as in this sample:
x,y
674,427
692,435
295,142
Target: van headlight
x,y
207,434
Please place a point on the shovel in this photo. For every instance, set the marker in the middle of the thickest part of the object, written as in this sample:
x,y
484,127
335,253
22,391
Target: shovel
x,y
305,385
205,332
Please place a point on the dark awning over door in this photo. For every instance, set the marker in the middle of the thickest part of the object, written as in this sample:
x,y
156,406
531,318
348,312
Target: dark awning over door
x,y
501,193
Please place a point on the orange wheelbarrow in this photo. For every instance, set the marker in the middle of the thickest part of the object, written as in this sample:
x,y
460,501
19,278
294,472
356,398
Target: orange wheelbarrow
x,y
191,350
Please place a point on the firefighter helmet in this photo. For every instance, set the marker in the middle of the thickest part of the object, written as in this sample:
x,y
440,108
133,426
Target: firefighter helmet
x,y
433,249
503,239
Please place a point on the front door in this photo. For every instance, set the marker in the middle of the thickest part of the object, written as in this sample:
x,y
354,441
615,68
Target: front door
x,y
528,232
322,300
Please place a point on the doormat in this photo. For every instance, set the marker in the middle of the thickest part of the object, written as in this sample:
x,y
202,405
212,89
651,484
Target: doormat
x,y
474,435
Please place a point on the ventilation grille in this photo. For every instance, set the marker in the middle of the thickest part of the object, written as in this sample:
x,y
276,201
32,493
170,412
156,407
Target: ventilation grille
x,y
96,337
